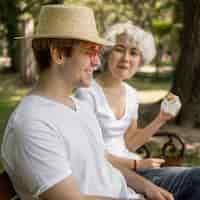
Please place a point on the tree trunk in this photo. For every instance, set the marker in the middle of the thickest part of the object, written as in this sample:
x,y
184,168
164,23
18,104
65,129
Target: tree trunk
x,y
186,82
11,24
28,69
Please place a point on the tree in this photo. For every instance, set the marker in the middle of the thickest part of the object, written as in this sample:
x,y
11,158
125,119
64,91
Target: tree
x,y
8,17
28,69
186,81
13,15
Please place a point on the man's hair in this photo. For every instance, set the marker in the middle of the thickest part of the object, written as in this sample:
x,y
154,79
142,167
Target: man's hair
x,y
41,50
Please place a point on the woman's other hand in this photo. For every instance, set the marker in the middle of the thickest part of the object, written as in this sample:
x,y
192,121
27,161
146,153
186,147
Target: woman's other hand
x,y
149,163
163,116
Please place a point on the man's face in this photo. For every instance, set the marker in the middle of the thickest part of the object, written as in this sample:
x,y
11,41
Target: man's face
x,y
82,63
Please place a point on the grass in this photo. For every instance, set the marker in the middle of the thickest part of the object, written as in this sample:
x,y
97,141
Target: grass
x,y
145,83
11,91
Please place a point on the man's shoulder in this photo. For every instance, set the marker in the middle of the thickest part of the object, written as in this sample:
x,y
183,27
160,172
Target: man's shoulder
x,y
35,106
33,110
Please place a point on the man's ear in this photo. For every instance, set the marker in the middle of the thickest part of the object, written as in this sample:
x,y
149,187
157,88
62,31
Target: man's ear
x,y
57,57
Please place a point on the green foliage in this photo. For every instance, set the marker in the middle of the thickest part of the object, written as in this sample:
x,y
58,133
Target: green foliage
x,y
13,12
166,4
107,11
145,83
162,17
161,28
10,93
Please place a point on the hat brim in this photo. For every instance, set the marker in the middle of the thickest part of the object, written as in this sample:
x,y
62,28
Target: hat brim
x,y
96,40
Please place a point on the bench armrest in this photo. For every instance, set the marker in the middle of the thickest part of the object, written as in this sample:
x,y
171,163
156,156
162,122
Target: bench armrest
x,y
172,150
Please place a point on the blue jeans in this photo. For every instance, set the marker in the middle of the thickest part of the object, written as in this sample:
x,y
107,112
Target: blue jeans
x,y
182,182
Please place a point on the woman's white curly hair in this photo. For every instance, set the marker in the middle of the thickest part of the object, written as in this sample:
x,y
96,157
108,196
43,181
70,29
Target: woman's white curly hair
x,y
143,40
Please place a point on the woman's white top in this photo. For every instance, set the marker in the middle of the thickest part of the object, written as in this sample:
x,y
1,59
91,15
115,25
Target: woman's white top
x,y
113,129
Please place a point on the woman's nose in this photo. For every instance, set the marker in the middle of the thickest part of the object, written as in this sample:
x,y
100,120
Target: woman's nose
x,y
126,56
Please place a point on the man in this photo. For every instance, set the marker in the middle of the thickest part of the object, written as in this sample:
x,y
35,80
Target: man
x,y
52,147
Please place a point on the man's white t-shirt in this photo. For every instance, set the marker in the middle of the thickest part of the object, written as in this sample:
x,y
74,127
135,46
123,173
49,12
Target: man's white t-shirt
x,y
46,141
113,129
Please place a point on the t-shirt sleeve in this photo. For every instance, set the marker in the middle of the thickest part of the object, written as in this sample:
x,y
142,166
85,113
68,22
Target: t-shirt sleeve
x,y
86,96
41,157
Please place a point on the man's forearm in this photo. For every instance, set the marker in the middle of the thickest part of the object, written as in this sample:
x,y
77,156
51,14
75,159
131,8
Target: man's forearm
x,y
134,180
117,161
87,197
109,198
138,183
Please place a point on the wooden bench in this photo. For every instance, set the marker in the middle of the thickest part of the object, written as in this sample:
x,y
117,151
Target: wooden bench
x,y
172,150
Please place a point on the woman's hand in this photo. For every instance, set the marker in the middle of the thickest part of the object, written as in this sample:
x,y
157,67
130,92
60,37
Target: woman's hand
x,y
163,116
149,163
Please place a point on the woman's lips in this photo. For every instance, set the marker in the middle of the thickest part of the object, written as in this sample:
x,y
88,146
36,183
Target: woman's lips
x,y
123,67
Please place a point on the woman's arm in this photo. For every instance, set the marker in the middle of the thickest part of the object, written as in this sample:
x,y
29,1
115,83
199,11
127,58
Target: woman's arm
x,y
136,137
134,164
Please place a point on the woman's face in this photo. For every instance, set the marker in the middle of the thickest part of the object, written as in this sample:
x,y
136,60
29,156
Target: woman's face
x,y
124,59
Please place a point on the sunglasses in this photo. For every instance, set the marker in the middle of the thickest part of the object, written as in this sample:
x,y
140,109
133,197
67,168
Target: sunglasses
x,y
90,48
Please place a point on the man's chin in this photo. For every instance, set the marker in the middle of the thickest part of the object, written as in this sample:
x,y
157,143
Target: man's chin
x,y
86,84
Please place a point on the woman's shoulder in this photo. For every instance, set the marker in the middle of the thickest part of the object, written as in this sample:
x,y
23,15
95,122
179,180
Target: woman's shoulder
x,y
132,93
130,89
92,94
91,89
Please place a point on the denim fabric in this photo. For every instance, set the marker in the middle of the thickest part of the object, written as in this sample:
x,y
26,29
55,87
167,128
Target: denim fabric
x,y
183,182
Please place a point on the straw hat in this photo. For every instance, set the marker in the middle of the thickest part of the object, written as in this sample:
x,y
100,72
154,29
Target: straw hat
x,y
70,22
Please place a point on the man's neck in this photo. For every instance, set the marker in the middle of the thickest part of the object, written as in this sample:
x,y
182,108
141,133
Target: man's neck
x,y
54,88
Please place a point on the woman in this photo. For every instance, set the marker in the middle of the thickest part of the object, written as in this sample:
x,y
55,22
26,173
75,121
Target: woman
x,y
115,104
118,119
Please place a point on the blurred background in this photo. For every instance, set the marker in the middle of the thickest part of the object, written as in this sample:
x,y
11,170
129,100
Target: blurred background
x,y
175,25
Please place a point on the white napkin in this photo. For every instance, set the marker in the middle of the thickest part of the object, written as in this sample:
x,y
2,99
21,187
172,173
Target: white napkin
x,y
171,106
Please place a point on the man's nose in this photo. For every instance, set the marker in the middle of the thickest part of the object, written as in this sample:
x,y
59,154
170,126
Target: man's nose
x,y
95,61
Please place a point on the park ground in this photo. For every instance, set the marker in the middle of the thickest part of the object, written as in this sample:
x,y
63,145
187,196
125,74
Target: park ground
x,y
150,90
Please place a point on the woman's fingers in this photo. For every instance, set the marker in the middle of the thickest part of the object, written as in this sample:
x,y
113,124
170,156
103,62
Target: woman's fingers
x,y
158,161
151,163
